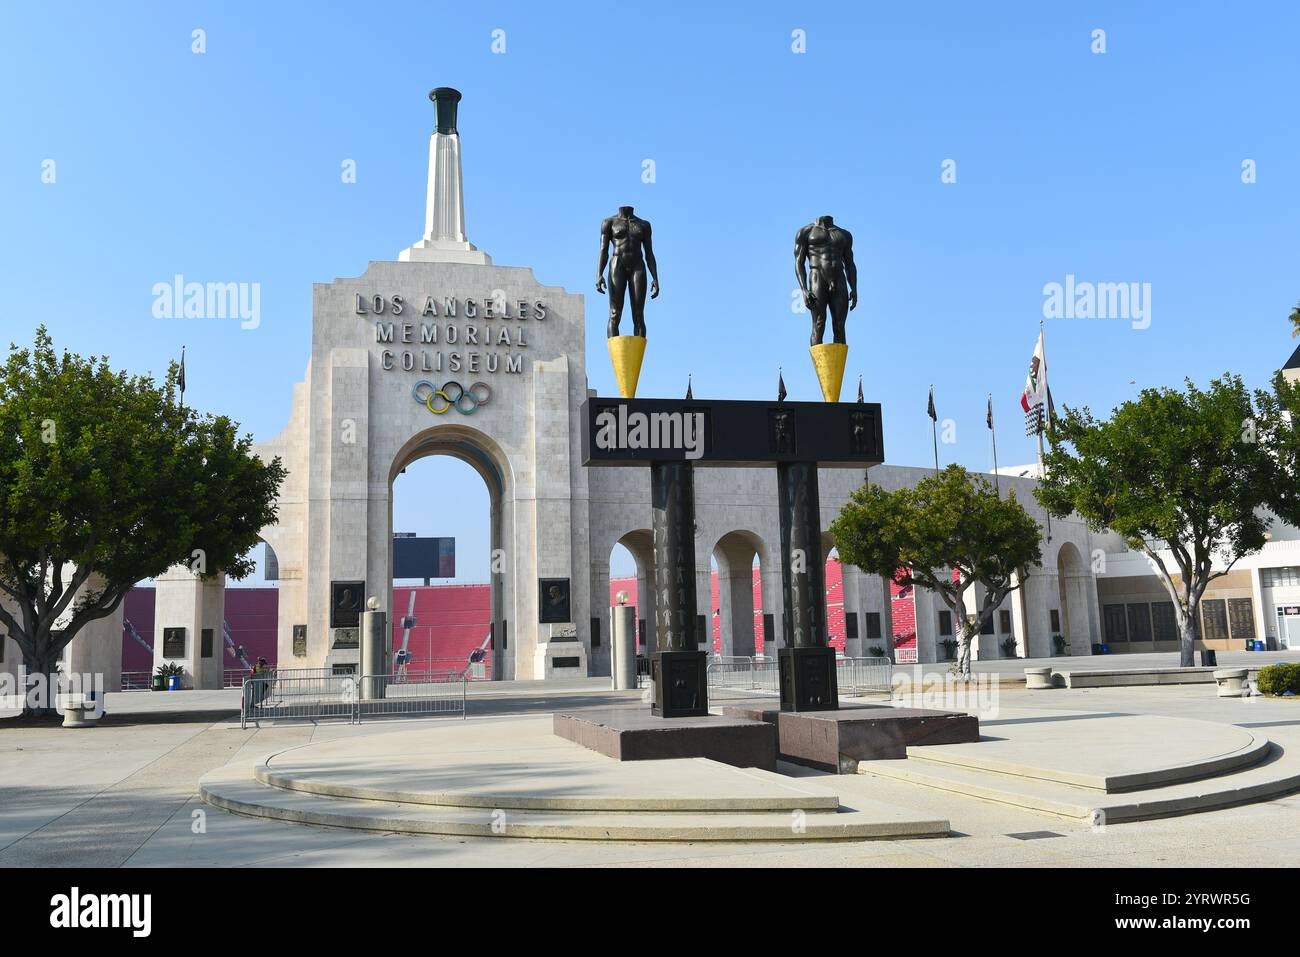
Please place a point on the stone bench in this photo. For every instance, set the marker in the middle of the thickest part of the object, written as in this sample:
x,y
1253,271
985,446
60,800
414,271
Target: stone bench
x,y
1231,682
1129,677
80,710
1037,679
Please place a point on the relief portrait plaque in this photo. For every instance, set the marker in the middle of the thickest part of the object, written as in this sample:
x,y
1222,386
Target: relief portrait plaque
x,y
173,642
346,598
553,600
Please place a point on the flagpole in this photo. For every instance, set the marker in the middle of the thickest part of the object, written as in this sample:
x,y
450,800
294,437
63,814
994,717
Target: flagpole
x,y
934,429
993,429
1042,469
1042,425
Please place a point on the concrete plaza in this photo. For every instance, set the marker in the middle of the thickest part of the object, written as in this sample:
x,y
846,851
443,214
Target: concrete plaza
x,y
126,794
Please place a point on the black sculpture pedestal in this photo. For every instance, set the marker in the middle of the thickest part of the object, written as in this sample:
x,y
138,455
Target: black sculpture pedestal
x,y
681,684
808,679
679,668
806,665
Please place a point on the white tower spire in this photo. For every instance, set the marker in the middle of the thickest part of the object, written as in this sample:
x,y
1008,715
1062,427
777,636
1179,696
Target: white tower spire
x,y
444,214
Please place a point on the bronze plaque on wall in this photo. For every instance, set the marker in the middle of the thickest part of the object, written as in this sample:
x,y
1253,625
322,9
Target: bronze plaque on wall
x,y
300,641
173,642
346,599
553,600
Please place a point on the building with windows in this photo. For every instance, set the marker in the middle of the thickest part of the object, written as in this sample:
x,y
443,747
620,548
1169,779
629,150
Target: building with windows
x,y
1258,599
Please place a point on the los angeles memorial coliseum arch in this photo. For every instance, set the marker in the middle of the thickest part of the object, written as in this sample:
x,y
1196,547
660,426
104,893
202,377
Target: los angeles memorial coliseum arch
x,y
443,352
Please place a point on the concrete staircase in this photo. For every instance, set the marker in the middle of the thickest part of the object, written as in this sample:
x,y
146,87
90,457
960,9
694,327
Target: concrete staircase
x,y
1259,770
513,778
791,812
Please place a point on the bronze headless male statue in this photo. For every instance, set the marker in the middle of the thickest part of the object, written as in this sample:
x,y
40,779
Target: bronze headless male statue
x,y
828,276
632,255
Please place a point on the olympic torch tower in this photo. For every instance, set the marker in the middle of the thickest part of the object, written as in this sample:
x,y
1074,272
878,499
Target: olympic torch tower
x,y
444,239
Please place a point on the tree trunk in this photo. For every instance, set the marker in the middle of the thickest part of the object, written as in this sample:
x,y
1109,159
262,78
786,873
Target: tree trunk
x,y
42,670
1187,643
963,654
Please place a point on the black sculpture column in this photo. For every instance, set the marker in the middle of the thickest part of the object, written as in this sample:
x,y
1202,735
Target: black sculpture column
x,y
678,667
806,663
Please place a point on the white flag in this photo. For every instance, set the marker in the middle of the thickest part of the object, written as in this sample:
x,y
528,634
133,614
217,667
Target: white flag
x,y
1035,392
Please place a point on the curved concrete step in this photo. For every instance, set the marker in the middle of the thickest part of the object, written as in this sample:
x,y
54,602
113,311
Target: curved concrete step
x,y
1277,774
1254,750
791,796
235,789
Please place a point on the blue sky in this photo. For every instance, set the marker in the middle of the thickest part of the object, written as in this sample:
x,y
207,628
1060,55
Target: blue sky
x,y
1124,166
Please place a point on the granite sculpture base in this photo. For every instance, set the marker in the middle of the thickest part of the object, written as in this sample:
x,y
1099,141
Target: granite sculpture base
x,y
837,740
633,734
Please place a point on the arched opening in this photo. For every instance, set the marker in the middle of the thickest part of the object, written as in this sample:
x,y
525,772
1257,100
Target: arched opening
x,y
1072,593
837,595
449,482
739,558
631,570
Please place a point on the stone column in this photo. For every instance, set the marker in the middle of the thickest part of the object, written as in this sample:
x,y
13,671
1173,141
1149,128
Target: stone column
x,y
736,598
704,606
807,663
374,653
1020,624
97,648
852,601
678,666
602,657
622,646
926,608
737,591
553,518
645,610
196,606
773,600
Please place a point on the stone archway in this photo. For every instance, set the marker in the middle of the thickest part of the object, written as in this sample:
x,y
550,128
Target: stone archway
x,y
1072,592
841,593
640,544
482,454
735,552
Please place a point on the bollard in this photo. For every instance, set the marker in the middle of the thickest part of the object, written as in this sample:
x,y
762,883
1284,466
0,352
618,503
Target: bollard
x,y
622,630
374,652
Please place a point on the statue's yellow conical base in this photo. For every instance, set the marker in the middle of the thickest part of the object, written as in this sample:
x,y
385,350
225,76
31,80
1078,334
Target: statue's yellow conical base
x,y
828,359
626,353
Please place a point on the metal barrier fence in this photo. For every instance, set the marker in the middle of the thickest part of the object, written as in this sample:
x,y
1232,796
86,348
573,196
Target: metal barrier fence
x,y
280,697
756,677
859,676
136,680
742,678
233,677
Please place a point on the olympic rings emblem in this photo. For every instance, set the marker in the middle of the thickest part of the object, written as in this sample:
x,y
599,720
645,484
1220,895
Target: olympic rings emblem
x,y
465,401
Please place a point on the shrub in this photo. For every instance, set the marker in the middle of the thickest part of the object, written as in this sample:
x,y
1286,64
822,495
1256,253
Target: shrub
x,y
949,649
1279,679
876,651
1008,648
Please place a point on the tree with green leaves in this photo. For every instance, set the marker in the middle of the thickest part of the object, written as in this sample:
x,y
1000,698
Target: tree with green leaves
x,y
948,532
105,480
1295,321
1187,478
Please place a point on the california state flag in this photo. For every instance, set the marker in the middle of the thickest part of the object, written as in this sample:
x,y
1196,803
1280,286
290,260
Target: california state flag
x,y
1036,382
